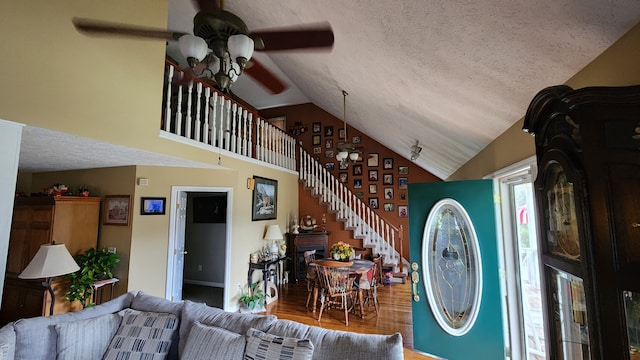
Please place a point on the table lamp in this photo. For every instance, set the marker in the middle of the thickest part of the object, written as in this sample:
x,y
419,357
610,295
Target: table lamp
x,y
50,261
273,233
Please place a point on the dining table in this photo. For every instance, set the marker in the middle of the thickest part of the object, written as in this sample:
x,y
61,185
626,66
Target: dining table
x,y
357,268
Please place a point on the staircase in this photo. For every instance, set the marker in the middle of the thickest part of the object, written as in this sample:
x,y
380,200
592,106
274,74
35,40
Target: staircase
x,y
364,223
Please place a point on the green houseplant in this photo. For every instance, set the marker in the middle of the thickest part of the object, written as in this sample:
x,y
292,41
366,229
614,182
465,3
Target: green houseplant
x,y
254,299
94,265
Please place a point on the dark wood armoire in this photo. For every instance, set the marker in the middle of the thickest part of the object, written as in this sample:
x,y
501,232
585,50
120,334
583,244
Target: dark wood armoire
x,y
588,199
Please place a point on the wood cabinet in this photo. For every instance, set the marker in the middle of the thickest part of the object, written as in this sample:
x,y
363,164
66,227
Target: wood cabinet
x,y
588,199
297,244
36,221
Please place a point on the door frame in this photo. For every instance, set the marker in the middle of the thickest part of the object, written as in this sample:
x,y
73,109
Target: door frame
x,y
173,229
512,315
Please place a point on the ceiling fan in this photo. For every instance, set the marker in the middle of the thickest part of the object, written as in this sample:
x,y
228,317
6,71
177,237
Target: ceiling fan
x,y
222,45
347,152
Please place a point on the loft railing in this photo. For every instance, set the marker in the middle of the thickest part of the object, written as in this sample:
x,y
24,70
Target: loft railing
x,y
202,114
375,232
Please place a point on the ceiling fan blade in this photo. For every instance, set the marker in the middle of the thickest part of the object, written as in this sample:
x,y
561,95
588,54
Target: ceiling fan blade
x,y
265,77
102,27
208,6
303,37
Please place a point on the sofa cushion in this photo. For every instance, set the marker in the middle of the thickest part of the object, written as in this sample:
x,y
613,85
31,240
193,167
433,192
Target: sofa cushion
x,y
211,342
150,303
36,338
236,322
7,341
336,344
263,346
143,335
88,338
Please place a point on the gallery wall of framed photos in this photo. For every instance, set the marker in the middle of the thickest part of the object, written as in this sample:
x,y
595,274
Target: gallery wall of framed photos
x,y
380,177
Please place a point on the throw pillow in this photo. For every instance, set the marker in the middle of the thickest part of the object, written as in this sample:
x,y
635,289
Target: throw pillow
x,y
263,346
143,335
73,342
211,342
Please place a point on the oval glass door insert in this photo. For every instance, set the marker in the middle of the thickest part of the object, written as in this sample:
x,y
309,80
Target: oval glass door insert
x,y
452,268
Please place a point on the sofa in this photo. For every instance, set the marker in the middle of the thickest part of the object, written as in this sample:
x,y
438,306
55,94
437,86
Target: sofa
x,y
137,325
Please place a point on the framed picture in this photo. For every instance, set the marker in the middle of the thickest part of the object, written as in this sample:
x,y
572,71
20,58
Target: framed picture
x,y
373,189
328,130
209,209
280,122
372,160
403,170
317,150
265,199
357,169
328,144
328,154
373,202
152,205
360,194
315,128
388,193
356,140
388,206
117,210
357,183
403,196
316,140
330,166
343,165
373,175
387,179
402,183
387,163
402,211
341,133
343,177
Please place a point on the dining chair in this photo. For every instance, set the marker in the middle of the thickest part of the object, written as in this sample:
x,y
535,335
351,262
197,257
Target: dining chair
x,y
367,287
312,274
336,286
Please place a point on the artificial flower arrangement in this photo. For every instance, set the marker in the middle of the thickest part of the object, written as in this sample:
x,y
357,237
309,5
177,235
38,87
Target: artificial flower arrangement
x,y
342,251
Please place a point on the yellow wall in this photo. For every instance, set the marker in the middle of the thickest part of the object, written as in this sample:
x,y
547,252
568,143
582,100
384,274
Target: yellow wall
x,y
144,244
617,66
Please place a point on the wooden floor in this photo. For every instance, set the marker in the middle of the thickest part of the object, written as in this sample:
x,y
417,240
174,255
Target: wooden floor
x,y
394,316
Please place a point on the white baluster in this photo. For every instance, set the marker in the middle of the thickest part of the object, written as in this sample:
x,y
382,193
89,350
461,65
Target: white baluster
x,y
234,127
205,126
189,119
198,122
167,110
178,130
227,128
214,120
245,127
249,129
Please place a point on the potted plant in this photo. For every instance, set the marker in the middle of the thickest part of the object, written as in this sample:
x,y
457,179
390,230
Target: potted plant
x,y
254,299
94,265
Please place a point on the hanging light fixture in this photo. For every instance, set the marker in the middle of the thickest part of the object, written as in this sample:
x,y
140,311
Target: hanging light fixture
x,y
347,152
220,48
415,151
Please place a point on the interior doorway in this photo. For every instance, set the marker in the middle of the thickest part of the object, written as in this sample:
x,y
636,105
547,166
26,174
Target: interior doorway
x,y
199,245
520,261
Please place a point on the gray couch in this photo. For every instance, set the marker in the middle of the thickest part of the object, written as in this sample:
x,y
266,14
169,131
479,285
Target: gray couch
x,y
188,331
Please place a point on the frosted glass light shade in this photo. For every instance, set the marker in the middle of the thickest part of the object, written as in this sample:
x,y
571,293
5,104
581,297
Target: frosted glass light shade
x,y
273,233
50,260
353,156
240,46
341,155
193,46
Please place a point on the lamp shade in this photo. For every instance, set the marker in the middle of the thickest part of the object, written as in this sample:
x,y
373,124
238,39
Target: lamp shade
x,y
240,46
273,233
50,260
354,156
193,46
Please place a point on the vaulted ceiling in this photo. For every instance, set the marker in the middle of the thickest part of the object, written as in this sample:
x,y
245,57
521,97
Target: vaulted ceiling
x,y
452,75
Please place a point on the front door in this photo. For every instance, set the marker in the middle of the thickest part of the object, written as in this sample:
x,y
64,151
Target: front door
x,y
483,339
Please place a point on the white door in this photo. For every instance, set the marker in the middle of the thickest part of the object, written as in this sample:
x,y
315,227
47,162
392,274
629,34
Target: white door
x,y
177,254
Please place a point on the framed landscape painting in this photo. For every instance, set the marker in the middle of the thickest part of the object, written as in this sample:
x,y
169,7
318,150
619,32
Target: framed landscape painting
x,y
117,210
265,199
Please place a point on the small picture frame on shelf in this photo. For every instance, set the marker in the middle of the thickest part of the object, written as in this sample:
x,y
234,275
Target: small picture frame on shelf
x,y
152,205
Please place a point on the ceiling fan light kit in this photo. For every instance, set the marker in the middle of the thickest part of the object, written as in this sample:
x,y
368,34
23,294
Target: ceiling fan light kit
x,y
347,152
415,151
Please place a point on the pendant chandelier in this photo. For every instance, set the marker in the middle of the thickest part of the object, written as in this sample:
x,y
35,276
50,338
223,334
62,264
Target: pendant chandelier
x,y
347,152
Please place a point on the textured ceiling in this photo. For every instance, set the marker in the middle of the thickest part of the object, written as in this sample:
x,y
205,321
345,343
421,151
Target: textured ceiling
x,y
451,74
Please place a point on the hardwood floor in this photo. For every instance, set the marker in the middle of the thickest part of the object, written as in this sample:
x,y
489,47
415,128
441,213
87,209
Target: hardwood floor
x,y
394,316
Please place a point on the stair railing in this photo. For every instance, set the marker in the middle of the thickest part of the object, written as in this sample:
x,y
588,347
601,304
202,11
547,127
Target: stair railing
x,y
375,231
